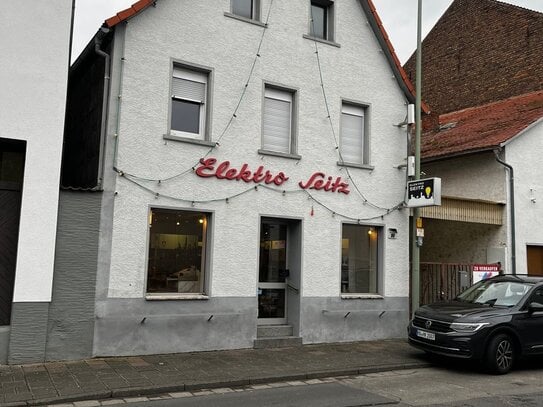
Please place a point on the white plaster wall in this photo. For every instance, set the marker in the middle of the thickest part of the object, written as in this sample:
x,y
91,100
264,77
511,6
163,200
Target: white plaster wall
x,y
33,74
524,154
476,176
199,33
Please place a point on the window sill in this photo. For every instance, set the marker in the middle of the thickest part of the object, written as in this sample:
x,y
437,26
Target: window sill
x,y
321,40
175,296
355,165
278,154
362,297
189,140
245,19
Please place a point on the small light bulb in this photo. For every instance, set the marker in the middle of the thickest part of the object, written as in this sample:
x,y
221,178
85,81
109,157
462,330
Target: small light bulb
x,y
201,220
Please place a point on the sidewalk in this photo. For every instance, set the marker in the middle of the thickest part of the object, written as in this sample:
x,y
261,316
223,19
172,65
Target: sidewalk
x,y
57,382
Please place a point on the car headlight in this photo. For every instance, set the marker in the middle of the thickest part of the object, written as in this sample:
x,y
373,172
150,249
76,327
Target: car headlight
x,y
467,327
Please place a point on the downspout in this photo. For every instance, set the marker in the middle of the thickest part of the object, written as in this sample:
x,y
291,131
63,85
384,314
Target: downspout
x,y
97,48
511,211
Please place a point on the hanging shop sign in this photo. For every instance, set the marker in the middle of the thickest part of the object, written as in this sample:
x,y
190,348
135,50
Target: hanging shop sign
x,y
208,168
424,192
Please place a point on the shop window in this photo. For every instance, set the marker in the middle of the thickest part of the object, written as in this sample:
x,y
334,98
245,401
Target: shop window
x,y
246,8
321,22
360,259
177,251
353,134
279,120
189,103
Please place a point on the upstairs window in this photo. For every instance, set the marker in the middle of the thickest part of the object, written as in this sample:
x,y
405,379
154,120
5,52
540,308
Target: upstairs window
x,y
353,135
246,8
189,101
321,22
278,120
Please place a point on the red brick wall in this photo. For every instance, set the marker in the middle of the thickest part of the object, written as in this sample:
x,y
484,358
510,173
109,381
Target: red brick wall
x,y
480,51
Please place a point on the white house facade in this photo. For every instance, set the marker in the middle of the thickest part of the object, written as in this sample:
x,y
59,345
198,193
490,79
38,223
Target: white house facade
x,y
249,177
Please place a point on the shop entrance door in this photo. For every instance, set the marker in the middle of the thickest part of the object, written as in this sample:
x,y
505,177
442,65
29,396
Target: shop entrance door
x,y
272,272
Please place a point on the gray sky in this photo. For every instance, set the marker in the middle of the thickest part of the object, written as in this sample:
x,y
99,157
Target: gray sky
x,y
399,18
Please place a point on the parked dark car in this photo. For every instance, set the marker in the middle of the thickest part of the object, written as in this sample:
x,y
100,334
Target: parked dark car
x,y
496,321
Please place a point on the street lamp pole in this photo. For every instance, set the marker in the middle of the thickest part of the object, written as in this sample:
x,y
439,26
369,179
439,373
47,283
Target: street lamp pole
x,y
415,257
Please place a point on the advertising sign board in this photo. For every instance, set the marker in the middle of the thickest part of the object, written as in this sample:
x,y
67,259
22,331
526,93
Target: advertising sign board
x,y
424,192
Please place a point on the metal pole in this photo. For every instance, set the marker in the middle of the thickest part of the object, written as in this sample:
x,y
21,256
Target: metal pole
x,y
415,258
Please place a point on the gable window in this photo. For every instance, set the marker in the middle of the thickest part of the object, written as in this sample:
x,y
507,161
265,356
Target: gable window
x,y
278,120
353,134
189,103
246,8
360,259
177,251
321,22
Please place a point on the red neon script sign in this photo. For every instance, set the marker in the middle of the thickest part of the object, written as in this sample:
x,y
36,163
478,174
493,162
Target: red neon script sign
x,y
223,171
318,181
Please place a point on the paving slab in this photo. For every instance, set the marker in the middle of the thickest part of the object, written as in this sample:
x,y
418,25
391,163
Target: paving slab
x,y
125,377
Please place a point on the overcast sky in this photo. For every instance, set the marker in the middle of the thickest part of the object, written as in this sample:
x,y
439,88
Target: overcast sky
x,y
399,18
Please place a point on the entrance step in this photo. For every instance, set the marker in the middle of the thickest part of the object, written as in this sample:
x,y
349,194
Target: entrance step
x,y
273,331
278,342
276,336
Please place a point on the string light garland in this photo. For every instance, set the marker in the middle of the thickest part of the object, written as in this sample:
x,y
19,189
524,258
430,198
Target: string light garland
x,y
228,199
365,200
234,114
132,177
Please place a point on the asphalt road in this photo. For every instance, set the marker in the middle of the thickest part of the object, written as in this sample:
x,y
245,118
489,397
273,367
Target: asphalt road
x,y
447,384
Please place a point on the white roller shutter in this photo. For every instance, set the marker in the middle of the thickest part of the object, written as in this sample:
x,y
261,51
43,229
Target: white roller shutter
x,y
277,121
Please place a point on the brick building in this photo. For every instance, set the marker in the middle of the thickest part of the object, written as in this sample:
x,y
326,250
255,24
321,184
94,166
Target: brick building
x,y
478,52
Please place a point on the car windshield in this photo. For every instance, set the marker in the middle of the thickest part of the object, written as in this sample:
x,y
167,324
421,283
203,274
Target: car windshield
x,y
495,293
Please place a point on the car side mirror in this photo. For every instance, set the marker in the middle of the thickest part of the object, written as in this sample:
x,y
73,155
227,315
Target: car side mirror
x,y
535,307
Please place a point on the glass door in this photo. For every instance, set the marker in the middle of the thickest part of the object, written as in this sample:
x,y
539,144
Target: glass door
x,y
272,287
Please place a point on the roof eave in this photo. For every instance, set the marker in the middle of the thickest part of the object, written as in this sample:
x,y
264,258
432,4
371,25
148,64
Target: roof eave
x,y
128,13
382,37
458,154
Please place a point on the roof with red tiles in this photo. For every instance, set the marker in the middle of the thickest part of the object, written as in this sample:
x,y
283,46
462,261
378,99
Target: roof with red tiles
x,y
481,128
371,13
127,13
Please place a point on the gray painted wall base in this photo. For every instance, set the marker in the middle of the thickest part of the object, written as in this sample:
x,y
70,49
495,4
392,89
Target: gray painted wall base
x,y
4,344
345,320
71,316
28,332
136,326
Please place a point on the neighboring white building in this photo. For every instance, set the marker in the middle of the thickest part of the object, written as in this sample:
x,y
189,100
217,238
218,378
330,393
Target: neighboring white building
x,y
491,209
245,173
33,75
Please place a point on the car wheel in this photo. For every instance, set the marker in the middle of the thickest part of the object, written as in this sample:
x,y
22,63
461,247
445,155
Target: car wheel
x,y
500,354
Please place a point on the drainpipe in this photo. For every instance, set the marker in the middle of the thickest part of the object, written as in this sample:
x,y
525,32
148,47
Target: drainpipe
x,y
97,44
511,210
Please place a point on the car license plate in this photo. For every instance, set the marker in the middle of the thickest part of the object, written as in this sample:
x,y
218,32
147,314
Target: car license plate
x,y
426,335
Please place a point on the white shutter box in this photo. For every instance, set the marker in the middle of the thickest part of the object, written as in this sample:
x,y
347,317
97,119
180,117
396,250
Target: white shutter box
x,y
187,89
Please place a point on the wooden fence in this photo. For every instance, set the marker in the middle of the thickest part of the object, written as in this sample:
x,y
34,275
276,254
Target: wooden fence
x,y
443,281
